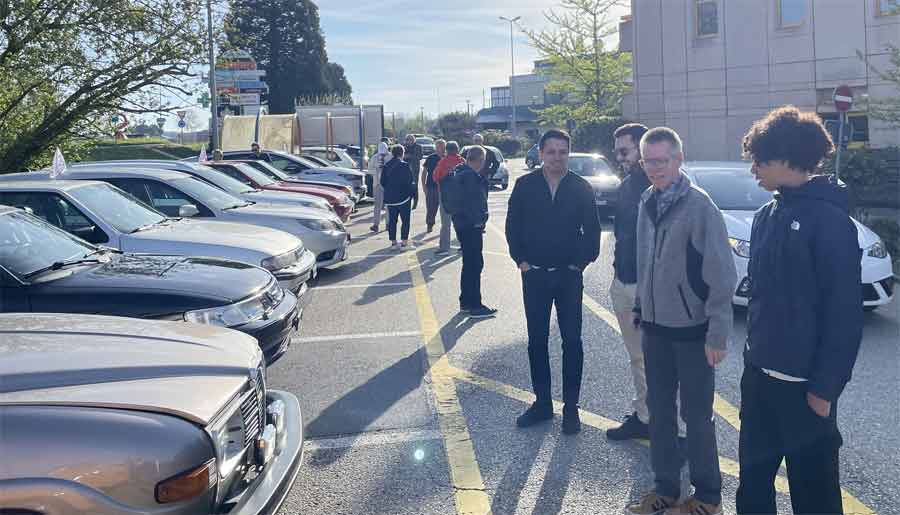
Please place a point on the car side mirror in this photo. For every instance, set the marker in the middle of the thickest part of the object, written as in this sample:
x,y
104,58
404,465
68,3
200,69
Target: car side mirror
x,y
188,211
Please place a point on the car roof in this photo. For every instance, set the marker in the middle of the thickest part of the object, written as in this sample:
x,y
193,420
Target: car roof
x,y
112,172
716,165
7,209
129,163
45,185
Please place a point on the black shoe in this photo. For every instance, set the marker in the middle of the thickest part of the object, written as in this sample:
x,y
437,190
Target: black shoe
x,y
535,414
482,312
571,421
466,309
632,428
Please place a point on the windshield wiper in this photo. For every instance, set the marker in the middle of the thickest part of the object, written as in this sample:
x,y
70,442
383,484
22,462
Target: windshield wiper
x,y
147,226
56,265
245,204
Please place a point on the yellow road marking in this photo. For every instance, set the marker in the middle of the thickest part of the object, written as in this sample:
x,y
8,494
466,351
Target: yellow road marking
x,y
471,497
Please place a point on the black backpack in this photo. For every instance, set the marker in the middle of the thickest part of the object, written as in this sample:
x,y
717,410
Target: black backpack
x,y
452,195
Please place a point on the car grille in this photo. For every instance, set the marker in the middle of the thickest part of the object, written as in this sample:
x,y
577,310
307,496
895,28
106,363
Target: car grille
x,y
253,407
888,285
869,293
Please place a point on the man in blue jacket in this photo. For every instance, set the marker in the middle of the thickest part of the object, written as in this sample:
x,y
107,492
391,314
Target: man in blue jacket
x,y
804,319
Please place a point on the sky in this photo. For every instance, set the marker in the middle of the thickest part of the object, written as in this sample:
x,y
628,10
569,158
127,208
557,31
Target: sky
x,y
431,54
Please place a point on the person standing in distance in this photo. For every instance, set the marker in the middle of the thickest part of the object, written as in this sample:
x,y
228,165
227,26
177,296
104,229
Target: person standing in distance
x,y
622,288
443,168
685,282
399,186
430,186
413,153
804,318
376,167
491,164
553,233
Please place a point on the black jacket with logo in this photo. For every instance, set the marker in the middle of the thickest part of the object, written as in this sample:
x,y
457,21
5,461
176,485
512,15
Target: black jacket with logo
x,y
805,314
553,232
625,225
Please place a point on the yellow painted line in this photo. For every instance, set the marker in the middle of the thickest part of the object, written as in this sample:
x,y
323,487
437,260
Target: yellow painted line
x,y
465,475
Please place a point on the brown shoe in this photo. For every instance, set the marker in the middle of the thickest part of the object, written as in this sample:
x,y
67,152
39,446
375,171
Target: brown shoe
x,y
651,504
692,506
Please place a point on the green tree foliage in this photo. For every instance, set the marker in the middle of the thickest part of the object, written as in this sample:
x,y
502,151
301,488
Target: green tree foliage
x,y
67,65
590,79
286,40
459,127
888,110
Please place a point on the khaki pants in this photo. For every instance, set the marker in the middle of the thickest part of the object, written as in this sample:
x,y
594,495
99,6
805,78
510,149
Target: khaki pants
x,y
622,296
379,200
446,224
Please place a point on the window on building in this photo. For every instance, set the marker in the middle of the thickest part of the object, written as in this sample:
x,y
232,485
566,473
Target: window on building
x,y
887,7
791,12
707,18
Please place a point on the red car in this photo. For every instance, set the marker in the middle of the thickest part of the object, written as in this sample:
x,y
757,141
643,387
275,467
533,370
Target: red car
x,y
248,173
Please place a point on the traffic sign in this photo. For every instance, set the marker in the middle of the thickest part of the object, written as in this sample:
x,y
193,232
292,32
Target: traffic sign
x,y
182,124
843,98
181,114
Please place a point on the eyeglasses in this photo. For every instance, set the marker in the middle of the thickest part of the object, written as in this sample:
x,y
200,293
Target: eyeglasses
x,y
655,163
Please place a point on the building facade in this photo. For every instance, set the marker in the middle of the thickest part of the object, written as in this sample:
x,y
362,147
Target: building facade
x,y
709,68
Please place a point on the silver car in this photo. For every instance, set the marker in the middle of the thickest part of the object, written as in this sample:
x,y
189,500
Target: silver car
x,y
102,214
177,194
106,415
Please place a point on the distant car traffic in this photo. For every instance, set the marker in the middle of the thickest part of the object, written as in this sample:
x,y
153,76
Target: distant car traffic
x,y
533,157
104,215
501,177
735,191
44,269
603,179
108,415
427,144
177,194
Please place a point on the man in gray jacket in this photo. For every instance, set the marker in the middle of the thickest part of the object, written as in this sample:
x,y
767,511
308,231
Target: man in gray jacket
x,y
685,281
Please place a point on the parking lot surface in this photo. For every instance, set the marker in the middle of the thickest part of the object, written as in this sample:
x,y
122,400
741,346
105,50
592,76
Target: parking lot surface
x,y
410,407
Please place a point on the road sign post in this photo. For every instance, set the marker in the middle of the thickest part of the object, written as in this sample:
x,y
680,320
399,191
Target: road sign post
x,y
843,101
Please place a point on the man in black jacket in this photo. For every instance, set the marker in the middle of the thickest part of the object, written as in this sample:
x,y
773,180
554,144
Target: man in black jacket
x,y
491,164
469,223
432,195
804,320
622,288
553,233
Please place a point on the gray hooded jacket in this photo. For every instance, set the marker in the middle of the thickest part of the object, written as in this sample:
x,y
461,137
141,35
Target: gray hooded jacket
x,y
686,273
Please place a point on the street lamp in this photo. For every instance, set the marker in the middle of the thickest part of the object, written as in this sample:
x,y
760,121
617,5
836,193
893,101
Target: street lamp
x,y
214,104
512,80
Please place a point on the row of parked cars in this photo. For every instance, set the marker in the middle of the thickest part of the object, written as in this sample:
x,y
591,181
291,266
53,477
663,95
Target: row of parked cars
x,y
140,304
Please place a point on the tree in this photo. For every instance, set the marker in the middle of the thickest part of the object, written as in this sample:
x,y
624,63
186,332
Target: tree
x,y
67,65
888,110
590,79
285,39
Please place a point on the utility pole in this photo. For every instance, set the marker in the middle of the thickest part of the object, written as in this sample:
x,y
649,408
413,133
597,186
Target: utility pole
x,y
214,103
422,115
468,107
512,77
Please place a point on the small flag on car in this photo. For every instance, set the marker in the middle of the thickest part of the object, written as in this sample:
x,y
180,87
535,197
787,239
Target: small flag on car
x,y
203,156
59,164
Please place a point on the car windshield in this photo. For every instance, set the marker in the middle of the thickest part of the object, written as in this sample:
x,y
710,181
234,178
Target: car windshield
x,y
116,207
425,141
220,180
255,175
268,170
589,166
28,244
732,189
314,161
213,198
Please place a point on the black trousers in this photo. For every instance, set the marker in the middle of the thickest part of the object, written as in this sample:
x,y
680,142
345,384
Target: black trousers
x,y
432,203
673,367
777,423
471,239
541,289
402,211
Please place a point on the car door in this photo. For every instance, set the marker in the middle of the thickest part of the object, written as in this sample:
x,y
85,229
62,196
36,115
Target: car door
x,y
159,196
286,165
56,210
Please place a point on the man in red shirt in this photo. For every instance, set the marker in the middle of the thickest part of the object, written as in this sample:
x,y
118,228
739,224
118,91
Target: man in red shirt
x,y
443,168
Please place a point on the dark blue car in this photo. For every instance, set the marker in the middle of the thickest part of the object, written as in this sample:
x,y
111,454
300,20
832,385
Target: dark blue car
x,y
533,157
44,269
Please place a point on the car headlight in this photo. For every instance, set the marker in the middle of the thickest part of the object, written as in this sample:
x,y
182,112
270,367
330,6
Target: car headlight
x,y
740,247
318,224
239,313
228,435
877,250
283,261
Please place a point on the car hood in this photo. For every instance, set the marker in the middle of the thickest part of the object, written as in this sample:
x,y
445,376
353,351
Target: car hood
x,y
603,182
304,187
284,197
283,210
739,224
223,234
339,170
187,370
212,279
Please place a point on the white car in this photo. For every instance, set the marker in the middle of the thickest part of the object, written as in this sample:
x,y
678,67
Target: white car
x,y
335,156
176,194
101,214
734,189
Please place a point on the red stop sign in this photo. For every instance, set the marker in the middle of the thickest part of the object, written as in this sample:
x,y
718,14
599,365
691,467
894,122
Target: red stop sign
x,y
843,98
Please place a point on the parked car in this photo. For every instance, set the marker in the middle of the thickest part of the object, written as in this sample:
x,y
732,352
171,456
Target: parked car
x,y
533,157
208,173
501,177
108,415
297,165
427,145
335,155
356,154
735,191
176,194
262,175
596,170
102,214
44,269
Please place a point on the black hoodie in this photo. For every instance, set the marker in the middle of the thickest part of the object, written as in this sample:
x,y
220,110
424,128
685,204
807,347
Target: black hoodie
x,y
805,314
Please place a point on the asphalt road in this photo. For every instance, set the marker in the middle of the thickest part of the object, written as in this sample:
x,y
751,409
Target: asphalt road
x,y
409,407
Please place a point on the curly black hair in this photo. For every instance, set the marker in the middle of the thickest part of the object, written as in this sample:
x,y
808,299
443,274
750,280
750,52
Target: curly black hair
x,y
791,135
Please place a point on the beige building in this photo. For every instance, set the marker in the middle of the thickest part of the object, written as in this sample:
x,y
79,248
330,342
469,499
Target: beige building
x,y
709,68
